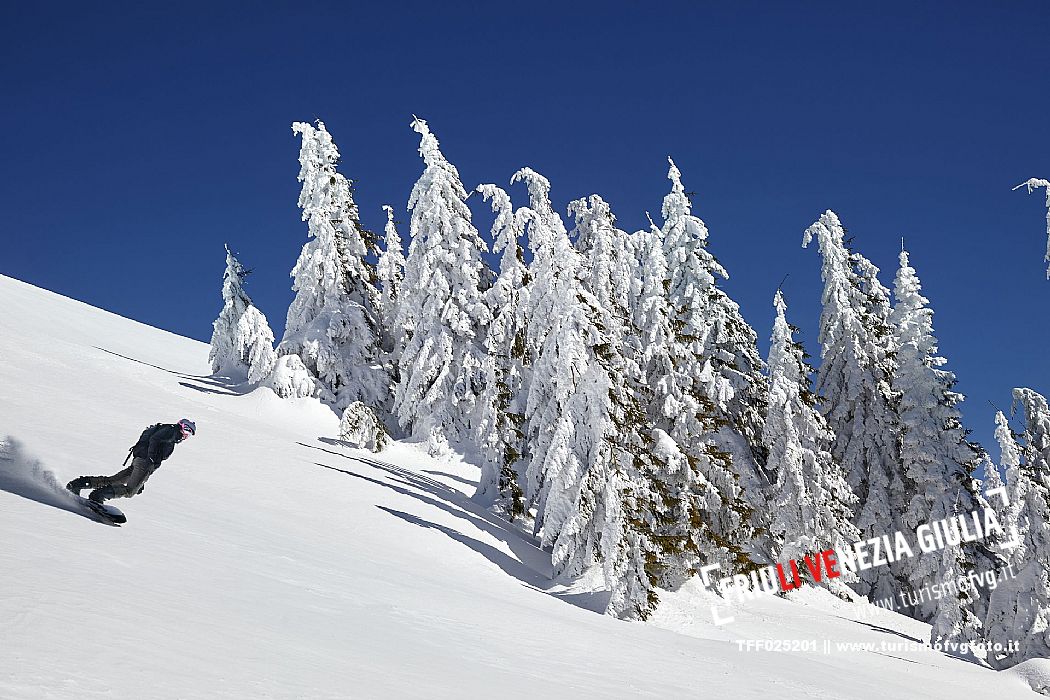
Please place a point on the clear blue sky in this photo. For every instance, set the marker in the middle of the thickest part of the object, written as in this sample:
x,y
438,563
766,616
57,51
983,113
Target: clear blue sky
x,y
138,137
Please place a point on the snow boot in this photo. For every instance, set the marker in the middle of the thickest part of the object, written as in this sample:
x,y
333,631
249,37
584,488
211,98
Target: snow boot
x,y
77,485
99,496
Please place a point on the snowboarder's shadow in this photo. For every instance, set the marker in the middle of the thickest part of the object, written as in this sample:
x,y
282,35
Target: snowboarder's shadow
x,y
530,565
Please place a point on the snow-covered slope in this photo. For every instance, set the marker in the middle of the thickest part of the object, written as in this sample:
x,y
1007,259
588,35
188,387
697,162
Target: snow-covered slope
x,y
265,560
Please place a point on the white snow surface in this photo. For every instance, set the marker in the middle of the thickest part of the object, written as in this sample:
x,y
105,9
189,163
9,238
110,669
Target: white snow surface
x,y
267,560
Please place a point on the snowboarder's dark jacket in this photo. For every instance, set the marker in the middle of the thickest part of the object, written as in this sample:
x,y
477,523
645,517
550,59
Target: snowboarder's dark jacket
x,y
157,442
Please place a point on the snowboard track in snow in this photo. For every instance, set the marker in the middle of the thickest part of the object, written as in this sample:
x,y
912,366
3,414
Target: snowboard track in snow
x,y
23,475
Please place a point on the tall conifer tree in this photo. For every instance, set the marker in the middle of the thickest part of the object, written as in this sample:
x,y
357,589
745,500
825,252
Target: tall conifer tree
x,y
390,273
241,341
442,307
501,434
937,459
1020,606
859,404
560,331
718,374
334,323
813,503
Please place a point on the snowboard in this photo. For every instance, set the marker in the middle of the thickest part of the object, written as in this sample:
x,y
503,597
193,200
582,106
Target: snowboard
x,y
109,514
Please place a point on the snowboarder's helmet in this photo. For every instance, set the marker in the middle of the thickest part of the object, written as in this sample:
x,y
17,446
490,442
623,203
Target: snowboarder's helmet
x,y
187,427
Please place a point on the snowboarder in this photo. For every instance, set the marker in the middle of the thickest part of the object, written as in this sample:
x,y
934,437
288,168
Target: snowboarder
x,y
156,444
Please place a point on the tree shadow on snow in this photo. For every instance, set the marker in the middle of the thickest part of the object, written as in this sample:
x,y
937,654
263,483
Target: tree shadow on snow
x,y
967,657
887,630
504,561
529,564
213,384
460,479
24,476
226,390
335,443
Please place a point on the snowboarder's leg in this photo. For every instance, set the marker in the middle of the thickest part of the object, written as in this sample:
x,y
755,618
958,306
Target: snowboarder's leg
x,y
95,482
132,481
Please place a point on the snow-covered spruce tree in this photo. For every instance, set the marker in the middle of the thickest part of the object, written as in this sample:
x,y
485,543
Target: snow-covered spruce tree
x,y
361,428
560,330
655,338
241,340
600,497
673,502
442,307
589,439
624,519
1016,486
390,273
290,379
609,429
334,322
718,372
859,405
713,321
992,481
812,502
584,462
1020,606
608,260
1034,184
938,460
501,415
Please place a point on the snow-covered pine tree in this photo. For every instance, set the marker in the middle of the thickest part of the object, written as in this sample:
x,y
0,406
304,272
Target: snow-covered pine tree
x,y
1033,184
655,337
1016,485
361,428
1020,606
241,340
992,480
854,380
619,515
672,503
938,460
715,355
442,307
334,321
812,502
602,503
588,431
501,415
719,332
560,331
390,273
290,379
607,257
